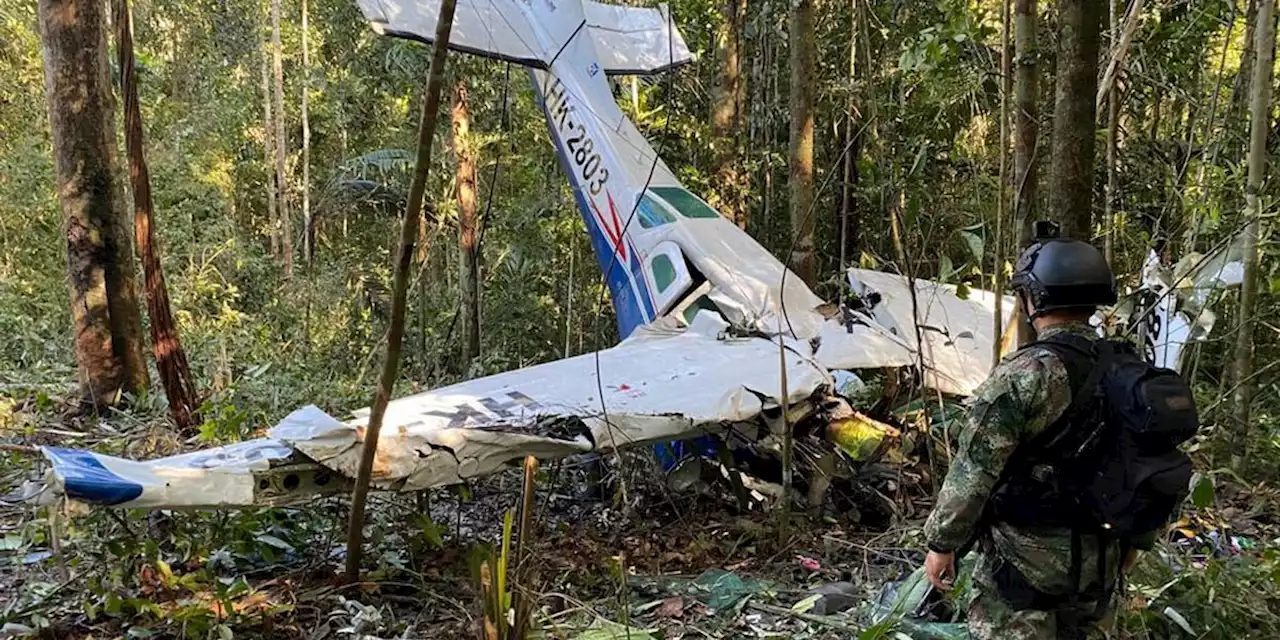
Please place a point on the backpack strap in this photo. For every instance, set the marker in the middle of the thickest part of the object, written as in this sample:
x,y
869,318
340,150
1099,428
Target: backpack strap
x,y
1086,362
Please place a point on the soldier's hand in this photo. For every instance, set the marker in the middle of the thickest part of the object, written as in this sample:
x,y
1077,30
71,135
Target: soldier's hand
x,y
940,569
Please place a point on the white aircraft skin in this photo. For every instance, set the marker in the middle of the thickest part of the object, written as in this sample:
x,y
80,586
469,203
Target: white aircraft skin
x,y
683,280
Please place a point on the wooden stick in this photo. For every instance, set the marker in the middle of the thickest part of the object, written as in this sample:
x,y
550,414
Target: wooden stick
x,y
395,335
819,620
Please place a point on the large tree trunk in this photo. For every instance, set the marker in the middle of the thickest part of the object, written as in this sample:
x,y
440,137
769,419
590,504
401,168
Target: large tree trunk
x,y
166,347
1075,116
727,109
1259,123
277,64
802,42
1025,129
104,300
309,231
404,259
468,237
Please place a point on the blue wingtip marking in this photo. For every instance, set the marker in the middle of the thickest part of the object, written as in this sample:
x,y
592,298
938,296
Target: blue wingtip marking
x,y
87,480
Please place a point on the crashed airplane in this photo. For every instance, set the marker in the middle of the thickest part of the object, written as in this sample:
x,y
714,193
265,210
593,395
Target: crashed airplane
x,y
703,310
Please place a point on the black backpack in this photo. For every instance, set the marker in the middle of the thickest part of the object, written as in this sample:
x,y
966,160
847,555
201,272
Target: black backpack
x,y
1110,466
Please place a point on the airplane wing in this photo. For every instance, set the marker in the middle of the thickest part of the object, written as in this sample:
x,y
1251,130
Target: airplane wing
x,y
663,383
639,40
955,342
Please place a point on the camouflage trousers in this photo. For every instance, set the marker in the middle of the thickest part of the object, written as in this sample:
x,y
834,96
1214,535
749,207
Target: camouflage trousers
x,y
991,617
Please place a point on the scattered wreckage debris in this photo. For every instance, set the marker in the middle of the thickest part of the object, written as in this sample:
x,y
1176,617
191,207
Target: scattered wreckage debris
x,y
703,311
662,384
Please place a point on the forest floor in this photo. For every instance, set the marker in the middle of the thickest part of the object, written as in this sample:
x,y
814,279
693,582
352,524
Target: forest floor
x,y
657,565
275,573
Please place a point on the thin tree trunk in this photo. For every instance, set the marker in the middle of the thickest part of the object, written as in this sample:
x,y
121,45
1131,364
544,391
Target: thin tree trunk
x,y
1025,130
282,185
395,334
468,238
1120,48
802,44
1113,138
104,300
1259,123
1244,75
166,347
309,231
726,109
1002,209
850,227
764,81
1209,126
1075,116
268,150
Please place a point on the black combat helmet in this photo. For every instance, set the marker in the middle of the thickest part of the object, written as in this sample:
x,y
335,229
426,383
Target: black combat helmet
x,y
1058,273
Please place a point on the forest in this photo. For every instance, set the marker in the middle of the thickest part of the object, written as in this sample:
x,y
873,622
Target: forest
x,y
215,212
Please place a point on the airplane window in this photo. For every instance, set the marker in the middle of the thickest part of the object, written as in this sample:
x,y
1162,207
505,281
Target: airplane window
x,y
652,214
664,272
686,203
703,302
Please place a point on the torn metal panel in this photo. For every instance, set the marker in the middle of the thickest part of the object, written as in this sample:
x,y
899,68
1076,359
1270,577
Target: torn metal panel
x,y
956,336
861,344
1170,309
225,476
658,385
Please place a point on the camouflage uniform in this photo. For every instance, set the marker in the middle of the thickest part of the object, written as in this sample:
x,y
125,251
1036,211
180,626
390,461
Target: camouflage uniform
x,y
1025,394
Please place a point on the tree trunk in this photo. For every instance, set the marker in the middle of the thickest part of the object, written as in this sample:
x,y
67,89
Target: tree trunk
x,y
1113,135
1120,44
269,153
727,109
1259,123
802,43
309,231
282,185
1075,116
468,238
166,347
104,299
395,333
1002,209
849,229
1025,129
1244,75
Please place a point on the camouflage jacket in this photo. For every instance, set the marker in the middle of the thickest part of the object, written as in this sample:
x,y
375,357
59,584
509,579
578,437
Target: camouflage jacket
x,y
1026,393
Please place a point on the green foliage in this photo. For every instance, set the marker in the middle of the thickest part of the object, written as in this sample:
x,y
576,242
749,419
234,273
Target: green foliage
x,y
1217,597
925,94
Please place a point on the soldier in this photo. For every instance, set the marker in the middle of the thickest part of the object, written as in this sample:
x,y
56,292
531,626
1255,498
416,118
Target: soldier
x,y
1023,580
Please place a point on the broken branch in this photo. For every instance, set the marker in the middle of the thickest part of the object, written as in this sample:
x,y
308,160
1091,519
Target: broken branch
x,y
1118,53
395,335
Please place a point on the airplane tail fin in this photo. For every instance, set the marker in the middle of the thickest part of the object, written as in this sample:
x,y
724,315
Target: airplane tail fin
x,y
629,40
635,40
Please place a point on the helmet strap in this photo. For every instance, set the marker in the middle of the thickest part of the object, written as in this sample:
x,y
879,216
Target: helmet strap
x,y
1025,301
